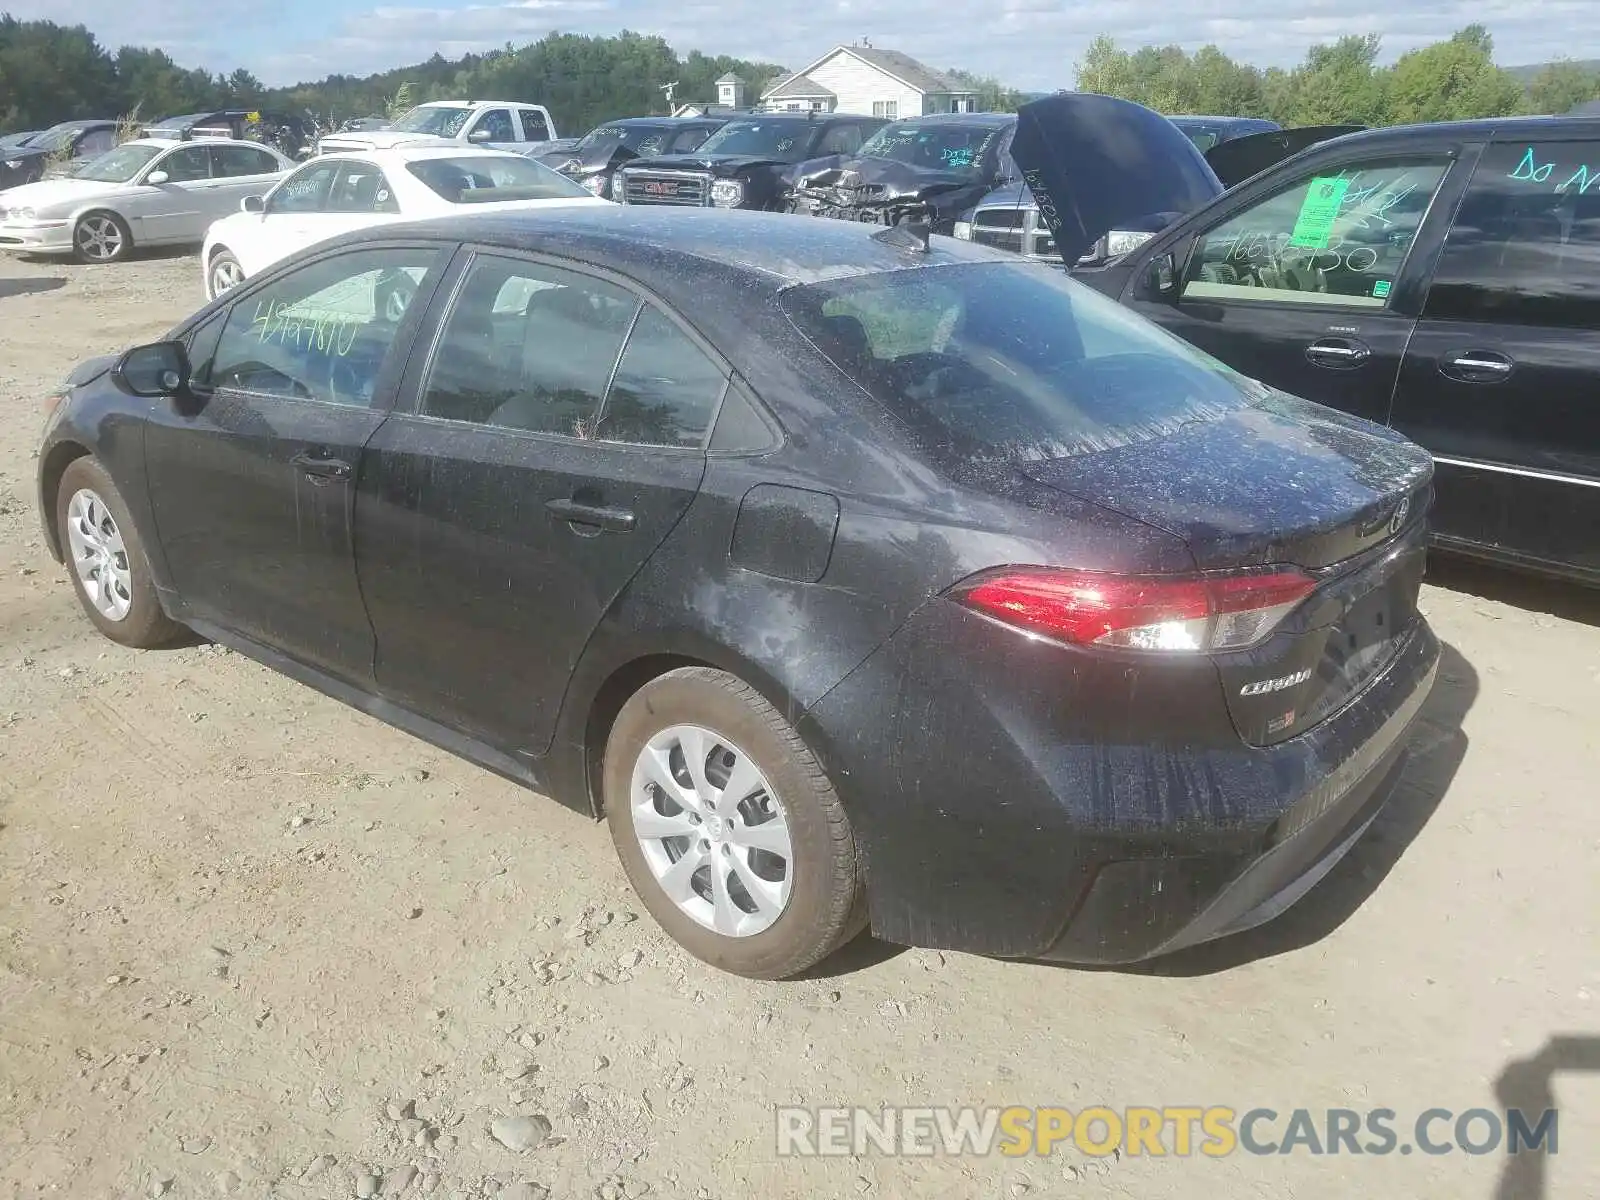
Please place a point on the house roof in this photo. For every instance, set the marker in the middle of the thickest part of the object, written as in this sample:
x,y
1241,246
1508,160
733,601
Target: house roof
x,y
730,77
891,62
799,87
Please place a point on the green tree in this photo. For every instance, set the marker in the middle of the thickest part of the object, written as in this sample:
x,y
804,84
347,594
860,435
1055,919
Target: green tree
x,y
1337,84
1561,87
1452,80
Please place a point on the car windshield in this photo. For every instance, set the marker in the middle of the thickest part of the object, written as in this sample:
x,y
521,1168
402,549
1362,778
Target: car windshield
x,y
784,140
119,165
999,361
936,147
644,139
58,138
440,121
491,178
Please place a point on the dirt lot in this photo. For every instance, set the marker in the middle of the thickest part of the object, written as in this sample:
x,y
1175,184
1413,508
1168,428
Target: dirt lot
x,y
253,943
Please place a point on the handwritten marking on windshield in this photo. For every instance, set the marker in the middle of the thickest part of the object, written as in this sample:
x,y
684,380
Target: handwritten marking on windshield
x,y
329,333
1530,170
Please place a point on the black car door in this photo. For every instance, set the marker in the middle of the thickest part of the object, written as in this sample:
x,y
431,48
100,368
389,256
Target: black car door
x,y
1301,281
556,437
1500,382
252,477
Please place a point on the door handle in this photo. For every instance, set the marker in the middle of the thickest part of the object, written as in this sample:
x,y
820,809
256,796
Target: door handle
x,y
321,467
1340,353
618,520
1476,366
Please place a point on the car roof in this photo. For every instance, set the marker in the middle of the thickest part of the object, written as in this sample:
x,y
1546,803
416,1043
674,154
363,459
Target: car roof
x,y
1488,128
81,123
393,154
983,119
171,143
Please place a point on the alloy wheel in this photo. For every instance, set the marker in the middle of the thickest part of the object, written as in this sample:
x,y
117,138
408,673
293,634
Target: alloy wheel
x,y
99,556
99,238
713,831
225,274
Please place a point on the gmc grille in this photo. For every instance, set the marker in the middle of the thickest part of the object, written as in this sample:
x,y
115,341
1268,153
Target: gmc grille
x,y
682,188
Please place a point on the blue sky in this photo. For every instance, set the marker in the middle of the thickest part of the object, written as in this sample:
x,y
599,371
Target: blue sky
x,y
1030,44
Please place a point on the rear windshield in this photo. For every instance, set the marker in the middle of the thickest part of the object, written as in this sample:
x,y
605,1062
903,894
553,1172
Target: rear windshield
x,y
935,147
989,361
491,178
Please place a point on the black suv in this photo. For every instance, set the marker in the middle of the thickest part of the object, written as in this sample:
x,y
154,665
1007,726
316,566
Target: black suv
x,y
285,132
70,141
749,163
1443,279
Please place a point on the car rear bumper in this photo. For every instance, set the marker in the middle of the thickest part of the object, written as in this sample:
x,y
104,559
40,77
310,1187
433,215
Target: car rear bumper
x,y
40,238
1030,802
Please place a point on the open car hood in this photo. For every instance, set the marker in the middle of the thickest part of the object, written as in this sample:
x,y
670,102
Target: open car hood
x,y
1096,163
1237,159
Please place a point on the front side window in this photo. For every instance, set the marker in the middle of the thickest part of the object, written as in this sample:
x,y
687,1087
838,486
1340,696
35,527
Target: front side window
x,y
307,189
494,126
119,165
361,188
187,165
490,178
841,139
996,361
962,148
689,140
1525,246
322,332
1338,237
528,346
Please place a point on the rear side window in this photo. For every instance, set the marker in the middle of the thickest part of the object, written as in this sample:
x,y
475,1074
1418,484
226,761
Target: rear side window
x,y
534,127
1525,247
361,188
1338,237
999,361
666,390
230,161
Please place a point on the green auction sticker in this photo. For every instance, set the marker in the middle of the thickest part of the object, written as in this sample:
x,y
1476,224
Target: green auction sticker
x,y
1314,225
1381,288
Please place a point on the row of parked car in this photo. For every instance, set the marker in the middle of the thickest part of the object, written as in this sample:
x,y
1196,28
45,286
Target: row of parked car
x,y
1389,273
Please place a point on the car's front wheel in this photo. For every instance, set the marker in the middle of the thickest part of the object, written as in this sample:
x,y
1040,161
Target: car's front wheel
x,y
223,273
728,827
107,560
101,237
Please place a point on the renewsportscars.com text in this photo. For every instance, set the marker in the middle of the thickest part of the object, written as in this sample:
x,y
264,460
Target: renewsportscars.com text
x,y
1211,1132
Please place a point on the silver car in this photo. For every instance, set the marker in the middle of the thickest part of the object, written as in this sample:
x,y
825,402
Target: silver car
x,y
146,192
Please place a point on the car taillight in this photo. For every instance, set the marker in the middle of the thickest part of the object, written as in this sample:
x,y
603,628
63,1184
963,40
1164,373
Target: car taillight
x,y
1195,613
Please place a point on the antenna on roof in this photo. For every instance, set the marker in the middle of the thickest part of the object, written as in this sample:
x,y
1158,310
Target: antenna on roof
x,y
909,235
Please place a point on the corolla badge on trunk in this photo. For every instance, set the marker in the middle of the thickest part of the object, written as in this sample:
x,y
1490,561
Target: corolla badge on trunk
x,y
1263,687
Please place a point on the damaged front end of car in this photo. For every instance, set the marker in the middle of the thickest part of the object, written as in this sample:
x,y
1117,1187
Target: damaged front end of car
x,y
878,197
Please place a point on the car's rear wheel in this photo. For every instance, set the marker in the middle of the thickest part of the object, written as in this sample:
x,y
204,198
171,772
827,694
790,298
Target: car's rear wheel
x,y
107,560
101,237
728,828
223,274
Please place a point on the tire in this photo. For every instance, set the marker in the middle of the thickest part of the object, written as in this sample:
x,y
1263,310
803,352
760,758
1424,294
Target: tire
x,y
223,273
809,908
99,541
101,237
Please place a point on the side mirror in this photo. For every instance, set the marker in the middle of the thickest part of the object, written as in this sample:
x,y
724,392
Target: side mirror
x,y
478,135
159,369
255,204
1161,280
157,177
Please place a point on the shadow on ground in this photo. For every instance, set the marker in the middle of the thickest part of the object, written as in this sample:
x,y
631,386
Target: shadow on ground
x,y
1528,1086
1535,593
30,287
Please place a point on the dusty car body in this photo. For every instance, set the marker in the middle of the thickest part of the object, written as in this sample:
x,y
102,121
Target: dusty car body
x,y
929,168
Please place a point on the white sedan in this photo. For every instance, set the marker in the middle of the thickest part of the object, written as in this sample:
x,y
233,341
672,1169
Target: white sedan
x,y
336,193
146,192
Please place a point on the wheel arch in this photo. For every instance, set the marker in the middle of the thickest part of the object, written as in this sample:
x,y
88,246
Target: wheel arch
x,y
60,456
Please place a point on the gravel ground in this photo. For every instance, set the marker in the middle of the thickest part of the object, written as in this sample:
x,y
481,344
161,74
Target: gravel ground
x,y
253,943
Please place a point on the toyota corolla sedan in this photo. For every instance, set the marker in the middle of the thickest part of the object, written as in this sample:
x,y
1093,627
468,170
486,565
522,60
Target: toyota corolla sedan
x,y
341,192
146,192
853,577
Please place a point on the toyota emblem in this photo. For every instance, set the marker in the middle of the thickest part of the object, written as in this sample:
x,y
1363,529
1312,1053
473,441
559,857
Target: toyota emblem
x,y
1398,520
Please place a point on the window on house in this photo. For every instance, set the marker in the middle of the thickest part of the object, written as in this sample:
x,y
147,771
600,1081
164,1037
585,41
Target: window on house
x,y
889,109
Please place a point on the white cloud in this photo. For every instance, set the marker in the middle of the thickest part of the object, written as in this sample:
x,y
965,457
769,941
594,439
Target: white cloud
x,y
1031,44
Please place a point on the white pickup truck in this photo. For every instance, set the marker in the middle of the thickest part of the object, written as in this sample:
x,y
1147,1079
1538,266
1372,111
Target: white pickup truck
x,y
500,124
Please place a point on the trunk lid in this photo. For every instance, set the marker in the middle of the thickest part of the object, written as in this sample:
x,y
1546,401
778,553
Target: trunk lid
x,y
1096,163
1284,482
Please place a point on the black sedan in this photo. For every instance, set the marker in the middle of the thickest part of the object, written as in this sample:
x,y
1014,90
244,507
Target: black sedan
x,y
854,578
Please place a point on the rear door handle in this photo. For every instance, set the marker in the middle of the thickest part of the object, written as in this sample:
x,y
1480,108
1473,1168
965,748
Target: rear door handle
x,y
603,516
1339,353
321,466
1476,366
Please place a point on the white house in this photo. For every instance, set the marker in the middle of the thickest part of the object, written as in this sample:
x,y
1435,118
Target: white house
x,y
863,79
